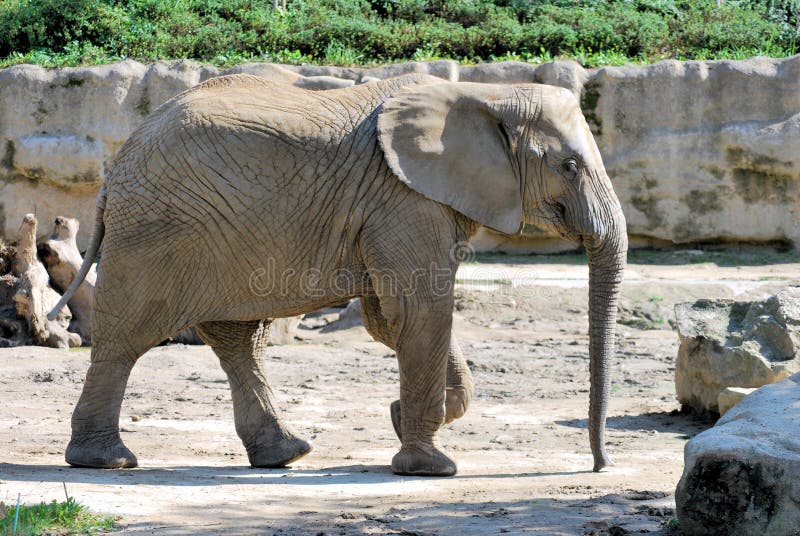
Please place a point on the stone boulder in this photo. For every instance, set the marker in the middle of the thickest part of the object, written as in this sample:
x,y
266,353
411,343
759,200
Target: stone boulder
x,y
270,71
320,83
730,396
725,343
742,476
446,69
283,330
349,317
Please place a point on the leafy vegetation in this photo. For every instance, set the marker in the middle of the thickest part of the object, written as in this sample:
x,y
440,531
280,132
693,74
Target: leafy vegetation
x,y
67,517
224,32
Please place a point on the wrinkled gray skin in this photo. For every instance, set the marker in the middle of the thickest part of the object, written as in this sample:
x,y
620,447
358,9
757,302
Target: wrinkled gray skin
x,y
243,200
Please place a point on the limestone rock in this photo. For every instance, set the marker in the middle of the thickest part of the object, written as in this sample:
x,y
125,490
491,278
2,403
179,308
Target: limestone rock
x,y
504,72
730,396
446,69
62,259
165,79
60,158
567,74
702,150
351,315
725,343
282,330
322,82
270,71
697,151
742,476
349,73
348,317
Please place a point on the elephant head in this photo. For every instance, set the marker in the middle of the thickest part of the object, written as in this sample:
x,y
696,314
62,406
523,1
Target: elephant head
x,y
506,156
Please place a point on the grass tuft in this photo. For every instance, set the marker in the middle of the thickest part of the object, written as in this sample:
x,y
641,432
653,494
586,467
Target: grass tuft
x,y
66,517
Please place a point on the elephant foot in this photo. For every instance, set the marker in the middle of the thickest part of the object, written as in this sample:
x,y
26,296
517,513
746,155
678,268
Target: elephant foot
x,y
278,454
424,460
602,461
99,451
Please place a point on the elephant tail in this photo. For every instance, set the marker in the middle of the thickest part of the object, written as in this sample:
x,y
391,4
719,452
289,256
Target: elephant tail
x,y
98,231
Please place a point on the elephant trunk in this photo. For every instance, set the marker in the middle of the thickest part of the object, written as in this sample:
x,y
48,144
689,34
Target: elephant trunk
x,y
607,256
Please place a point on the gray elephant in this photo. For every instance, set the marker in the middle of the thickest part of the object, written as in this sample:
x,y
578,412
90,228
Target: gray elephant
x,y
243,200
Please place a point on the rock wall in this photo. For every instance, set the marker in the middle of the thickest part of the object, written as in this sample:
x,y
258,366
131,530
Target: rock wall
x,y
697,151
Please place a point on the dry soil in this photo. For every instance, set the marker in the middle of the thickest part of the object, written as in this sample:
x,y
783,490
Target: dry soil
x,y
522,448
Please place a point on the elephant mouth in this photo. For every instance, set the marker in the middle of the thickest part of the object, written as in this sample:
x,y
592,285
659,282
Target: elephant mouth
x,y
552,217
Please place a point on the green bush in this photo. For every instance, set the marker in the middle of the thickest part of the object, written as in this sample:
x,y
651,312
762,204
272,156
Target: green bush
x,y
594,32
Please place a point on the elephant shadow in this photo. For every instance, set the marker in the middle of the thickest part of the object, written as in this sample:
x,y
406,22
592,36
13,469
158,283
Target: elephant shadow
x,y
681,422
194,475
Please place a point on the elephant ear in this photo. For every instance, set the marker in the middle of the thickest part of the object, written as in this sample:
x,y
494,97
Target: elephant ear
x,y
447,142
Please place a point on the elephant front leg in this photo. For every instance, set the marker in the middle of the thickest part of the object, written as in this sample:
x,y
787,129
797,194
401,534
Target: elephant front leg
x,y
422,350
458,390
459,386
240,347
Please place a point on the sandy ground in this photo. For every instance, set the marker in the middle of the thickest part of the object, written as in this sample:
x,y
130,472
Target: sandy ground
x,y
522,449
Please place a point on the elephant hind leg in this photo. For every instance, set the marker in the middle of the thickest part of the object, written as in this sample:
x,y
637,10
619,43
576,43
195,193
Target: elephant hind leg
x,y
95,438
240,347
459,386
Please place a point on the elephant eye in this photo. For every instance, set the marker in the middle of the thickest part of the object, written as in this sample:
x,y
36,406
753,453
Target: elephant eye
x,y
570,167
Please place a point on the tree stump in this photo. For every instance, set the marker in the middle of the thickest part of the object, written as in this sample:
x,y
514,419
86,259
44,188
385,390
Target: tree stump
x,y
35,298
62,259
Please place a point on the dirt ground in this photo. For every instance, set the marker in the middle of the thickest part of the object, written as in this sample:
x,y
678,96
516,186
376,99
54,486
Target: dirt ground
x,y
522,448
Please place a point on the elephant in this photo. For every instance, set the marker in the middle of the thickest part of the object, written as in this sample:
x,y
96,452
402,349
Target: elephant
x,y
242,200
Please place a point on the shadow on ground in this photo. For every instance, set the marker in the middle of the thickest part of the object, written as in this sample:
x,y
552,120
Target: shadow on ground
x,y
673,422
194,475
394,512
618,513
725,255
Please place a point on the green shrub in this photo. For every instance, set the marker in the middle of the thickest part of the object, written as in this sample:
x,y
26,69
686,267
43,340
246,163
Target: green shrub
x,y
58,32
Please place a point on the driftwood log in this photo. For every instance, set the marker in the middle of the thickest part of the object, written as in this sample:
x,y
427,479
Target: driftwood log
x,y
35,298
13,331
26,297
62,259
